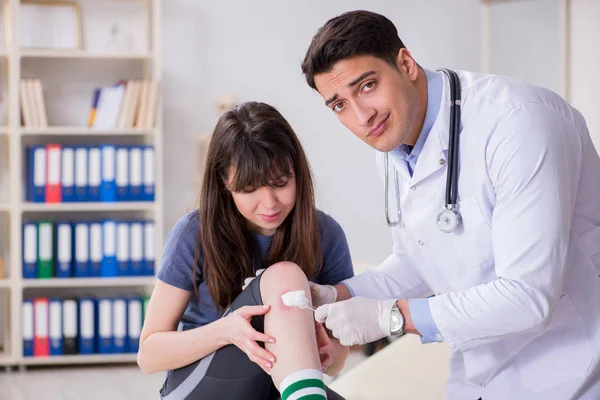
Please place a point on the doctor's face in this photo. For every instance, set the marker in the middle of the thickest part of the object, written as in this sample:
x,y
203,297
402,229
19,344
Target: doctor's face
x,y
378,102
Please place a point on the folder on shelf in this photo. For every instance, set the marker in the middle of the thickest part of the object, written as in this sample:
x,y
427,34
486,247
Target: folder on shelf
x,y
105,330
64,253
135,173
109,105
122,173
109,249
56,335
27,327
82,249
30,250
95,249
53,185
41,342
149,247
95,174
123,246
148,175
142,93
108,192
151,107
68,174
45,259
40,105
69,326
86,326
36,174
136,255
81,174
134,325
119,325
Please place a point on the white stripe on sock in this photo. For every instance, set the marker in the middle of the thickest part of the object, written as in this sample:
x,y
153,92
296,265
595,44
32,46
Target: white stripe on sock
x,y
312,390
300,376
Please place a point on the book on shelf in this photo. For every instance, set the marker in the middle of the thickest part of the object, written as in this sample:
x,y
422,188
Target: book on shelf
x,y
33,108
128,104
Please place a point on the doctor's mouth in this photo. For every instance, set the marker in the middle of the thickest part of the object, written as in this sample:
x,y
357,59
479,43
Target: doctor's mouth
x,y
378,130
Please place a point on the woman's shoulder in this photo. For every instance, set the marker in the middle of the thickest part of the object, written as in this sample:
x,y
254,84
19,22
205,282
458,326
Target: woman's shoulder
x,y
188,224
328,226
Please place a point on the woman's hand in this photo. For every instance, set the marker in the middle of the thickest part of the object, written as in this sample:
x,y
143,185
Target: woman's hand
x,y
241,334
324,345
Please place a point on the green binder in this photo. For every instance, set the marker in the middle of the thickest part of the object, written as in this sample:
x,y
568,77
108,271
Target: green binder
x,y
45,265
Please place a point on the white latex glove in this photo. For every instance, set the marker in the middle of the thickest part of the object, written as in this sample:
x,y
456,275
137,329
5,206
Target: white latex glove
x,y
248,280
357,321
322,294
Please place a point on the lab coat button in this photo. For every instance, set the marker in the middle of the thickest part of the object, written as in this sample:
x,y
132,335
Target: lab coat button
x,y
482,385
442,161
420,242
413,188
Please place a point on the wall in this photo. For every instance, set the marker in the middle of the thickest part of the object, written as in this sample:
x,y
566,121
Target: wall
x,y
254,50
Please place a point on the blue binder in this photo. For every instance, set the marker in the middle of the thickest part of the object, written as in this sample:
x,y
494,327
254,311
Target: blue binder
x,y
30,250
122,173
81,246
68,175
123,248
104,332
95,174
135,173
109,249
81,174
108,191
56,327
63,250
148,175
119,325
86,326
27,327
36,174
96,249
134,325
136,255
149,245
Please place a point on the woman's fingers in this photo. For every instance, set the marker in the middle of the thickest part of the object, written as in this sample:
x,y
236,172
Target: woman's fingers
x,y
260,356
250,311
261,337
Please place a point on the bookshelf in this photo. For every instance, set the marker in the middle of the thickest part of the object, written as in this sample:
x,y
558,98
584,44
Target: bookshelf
x,y
68,79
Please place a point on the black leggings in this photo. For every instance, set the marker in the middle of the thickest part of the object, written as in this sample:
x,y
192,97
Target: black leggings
x,y
228,373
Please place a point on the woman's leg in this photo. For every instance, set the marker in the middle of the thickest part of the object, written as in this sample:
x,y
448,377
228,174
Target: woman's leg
x,y
298,367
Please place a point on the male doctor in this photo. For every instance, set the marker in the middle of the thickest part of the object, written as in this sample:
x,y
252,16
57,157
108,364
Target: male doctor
x,y
516,283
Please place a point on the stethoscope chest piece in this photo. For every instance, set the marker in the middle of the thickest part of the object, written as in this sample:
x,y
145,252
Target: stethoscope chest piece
x,y
448,220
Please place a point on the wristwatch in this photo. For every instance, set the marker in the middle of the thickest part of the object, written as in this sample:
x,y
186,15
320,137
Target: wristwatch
x,y
396,321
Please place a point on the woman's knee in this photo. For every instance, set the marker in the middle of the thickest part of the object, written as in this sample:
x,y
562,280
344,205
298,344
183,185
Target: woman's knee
x,y
282,277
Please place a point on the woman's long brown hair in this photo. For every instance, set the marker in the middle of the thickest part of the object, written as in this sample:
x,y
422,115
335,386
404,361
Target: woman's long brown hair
x,y
259,143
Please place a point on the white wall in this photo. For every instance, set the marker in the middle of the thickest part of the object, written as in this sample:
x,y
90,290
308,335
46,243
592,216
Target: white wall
x,y
254,49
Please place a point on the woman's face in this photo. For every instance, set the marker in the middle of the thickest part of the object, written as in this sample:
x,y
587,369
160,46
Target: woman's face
x,y
266,207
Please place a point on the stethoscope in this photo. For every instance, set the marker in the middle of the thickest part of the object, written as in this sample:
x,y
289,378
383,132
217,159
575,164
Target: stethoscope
x,y
448,218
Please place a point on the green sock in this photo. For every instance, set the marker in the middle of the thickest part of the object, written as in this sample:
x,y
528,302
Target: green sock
x,y
306,384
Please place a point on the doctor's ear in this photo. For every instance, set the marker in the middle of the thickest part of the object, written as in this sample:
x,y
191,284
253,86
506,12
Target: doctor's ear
x,y
407,64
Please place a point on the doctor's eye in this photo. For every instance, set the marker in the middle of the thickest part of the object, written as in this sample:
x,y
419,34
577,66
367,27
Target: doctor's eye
x,y
368,86
337,107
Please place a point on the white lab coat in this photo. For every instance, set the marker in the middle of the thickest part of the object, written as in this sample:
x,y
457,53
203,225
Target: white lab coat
x,y
517,285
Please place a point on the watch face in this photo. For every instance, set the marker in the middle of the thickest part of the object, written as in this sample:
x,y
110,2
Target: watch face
x,y
396,322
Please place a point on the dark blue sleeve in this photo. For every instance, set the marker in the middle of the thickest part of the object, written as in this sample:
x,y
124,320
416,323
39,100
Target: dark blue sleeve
x,y
177,263
337,262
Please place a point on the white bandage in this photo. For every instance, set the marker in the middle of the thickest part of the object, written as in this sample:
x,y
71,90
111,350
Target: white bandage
x,y
295,298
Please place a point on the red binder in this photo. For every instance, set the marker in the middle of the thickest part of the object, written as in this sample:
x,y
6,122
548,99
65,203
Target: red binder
x,y
53,182
41,342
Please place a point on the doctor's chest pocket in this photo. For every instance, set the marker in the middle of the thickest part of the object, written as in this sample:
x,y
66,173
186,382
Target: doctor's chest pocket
x,y
471,243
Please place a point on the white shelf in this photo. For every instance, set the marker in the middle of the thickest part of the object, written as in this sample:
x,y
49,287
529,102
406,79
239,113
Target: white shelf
x,y
84,131
80,359
74,207
5,283
89,282
84,55
6,359
4,207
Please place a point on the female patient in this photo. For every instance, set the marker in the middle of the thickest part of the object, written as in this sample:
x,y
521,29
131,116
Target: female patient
x,y
217,340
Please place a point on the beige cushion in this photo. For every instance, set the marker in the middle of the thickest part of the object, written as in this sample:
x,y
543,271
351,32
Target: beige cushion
x,y
406,369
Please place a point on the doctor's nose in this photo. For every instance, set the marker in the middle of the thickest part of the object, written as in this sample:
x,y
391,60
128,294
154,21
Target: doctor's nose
x,y
365,114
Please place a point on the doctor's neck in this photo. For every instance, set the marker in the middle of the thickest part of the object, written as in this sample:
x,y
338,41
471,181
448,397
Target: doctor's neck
x,y
421,99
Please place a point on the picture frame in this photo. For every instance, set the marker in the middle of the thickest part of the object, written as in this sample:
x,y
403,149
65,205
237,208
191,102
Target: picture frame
x,y
50,25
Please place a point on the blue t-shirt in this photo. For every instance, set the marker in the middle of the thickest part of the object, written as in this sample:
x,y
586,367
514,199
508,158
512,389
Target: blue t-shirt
x,y
177,263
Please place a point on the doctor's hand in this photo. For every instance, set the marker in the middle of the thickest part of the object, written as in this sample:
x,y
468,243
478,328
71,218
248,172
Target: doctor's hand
x,y
322,294
357,321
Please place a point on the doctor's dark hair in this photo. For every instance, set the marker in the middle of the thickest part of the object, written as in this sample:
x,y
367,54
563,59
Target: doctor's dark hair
x,y
353,33
255,143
